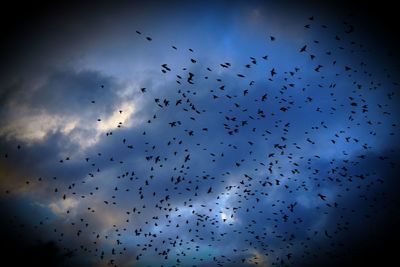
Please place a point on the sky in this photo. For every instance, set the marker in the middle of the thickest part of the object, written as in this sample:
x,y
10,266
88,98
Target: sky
x,y
199,133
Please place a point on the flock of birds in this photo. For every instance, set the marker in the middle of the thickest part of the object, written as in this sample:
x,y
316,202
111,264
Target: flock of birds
x,y
217,163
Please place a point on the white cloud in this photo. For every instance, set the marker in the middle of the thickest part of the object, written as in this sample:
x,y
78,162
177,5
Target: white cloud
x,y
258,259
112,122
30,127
61,207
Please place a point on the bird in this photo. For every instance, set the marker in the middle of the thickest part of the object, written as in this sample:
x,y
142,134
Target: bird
x,y
190,78
273,72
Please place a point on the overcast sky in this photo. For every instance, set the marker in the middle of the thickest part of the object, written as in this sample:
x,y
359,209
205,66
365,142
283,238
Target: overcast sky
x,y
199,134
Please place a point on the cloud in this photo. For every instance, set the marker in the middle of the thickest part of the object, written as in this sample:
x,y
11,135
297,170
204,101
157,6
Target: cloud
x,y
29,127
258,259
61,207
117,118
62,104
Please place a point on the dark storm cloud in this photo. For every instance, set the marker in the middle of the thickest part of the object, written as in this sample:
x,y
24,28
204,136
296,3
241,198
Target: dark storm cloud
x,y
61,98
358,228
